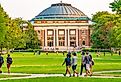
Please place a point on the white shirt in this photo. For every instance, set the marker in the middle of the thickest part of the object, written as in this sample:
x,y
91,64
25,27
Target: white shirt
x,y
74,60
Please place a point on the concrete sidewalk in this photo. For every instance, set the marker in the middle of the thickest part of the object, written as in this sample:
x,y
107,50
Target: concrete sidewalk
x,y
56,75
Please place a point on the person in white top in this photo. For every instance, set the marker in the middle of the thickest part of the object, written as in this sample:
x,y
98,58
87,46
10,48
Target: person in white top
x,y
74,64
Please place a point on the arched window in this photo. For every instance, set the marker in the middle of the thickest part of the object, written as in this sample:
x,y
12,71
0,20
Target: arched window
x,y
83,43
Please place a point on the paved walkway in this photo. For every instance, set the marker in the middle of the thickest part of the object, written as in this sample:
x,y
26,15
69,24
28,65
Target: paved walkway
x,y
55,75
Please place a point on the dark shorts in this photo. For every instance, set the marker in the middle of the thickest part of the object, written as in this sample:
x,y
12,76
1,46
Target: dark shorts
x,y
0,65
74,67
68,64
8,65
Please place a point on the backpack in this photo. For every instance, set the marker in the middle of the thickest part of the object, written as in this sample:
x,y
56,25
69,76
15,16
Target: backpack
x,y
93,62
9,60
1,60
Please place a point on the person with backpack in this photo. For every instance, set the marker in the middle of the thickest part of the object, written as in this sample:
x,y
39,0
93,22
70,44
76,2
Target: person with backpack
x,y
68,64
74,64
1,63
87,60
9,62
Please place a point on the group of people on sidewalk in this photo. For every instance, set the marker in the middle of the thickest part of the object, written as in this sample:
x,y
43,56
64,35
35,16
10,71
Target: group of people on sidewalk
x,y
8,62
86,62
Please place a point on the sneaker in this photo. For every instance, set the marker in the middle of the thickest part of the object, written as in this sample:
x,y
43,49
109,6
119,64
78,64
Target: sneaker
x,y
64,74
0,71
70,76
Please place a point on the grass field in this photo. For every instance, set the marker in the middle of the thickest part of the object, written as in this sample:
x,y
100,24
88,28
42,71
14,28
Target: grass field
x,y
64,79
28,63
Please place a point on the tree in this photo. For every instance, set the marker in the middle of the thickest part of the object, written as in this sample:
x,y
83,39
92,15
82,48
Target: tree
x,y
116,6
4,21
32,40
13,35
102,29
116,33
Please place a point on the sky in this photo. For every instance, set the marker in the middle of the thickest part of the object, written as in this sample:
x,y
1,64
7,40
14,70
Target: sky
x,y
28,9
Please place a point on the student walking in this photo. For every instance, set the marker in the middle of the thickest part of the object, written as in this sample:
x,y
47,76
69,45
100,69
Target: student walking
x,y
82,62
74,64
68,64
9,62
91,64
1,63
87,60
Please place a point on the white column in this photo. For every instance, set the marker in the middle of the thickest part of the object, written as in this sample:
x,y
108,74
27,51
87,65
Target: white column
x,y
65,38
57,36
76,37
68,38
45,37
54,39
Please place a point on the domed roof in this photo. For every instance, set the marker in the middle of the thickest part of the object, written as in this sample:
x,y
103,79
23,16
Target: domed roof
x,y
61,11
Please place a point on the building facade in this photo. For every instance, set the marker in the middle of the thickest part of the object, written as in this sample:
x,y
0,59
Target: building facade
x,y
62,27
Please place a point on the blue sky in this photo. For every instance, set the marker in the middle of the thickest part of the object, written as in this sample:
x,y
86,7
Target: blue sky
x,y
27,9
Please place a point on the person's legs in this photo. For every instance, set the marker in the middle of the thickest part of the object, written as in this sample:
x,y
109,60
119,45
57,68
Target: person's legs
x,y
81,69
74,70
8,66
90,69
87,69
69,71
0,68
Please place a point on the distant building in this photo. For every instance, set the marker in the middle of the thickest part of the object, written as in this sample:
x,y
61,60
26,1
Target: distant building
x,y
62,27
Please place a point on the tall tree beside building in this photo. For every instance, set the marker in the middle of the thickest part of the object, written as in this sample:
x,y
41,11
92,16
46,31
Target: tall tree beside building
x,y
4,24
32,40
102,26
13,35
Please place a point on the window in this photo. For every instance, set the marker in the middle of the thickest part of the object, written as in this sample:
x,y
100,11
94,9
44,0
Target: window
x,y
61,38
50,38
50,43
73,43
72,38
72,32
50,32
83,43
61,32
61,43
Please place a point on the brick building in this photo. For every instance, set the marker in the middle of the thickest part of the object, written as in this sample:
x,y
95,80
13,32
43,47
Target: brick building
x,y
62,27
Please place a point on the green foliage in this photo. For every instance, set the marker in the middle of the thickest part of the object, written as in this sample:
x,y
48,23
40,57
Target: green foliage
x,y
101,29
4,20
13,36
116,33
31,38
116,6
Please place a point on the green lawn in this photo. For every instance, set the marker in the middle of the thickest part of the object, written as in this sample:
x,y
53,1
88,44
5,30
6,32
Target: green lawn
x,y
64,79
52,63
28,63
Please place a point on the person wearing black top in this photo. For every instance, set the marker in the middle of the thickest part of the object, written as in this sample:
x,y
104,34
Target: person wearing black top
x,y
82,62
9,62
68,64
